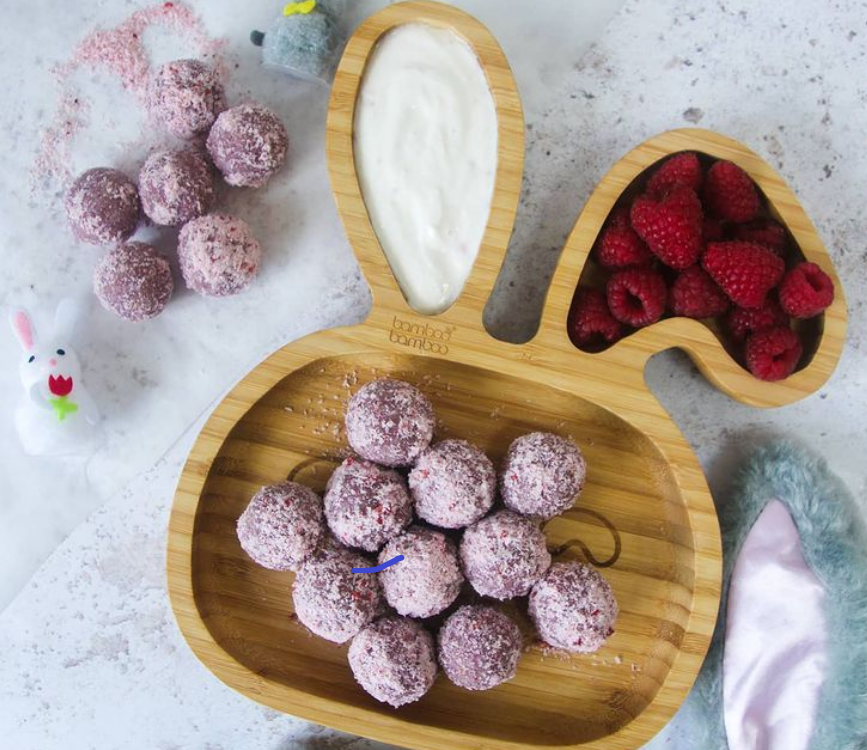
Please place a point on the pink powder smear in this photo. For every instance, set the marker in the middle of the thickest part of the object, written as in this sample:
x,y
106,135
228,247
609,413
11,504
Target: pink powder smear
x,y
121,52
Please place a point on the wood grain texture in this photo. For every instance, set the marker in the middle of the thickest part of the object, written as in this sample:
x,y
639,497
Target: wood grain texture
x,y
285,419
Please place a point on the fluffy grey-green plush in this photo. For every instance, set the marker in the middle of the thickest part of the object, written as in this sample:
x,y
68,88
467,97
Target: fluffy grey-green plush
x,y
834,542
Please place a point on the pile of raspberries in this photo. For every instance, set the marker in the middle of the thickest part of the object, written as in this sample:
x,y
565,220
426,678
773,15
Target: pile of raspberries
x,y
700,243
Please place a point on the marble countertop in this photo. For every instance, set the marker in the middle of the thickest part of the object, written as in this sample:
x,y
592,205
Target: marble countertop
x,y
94,621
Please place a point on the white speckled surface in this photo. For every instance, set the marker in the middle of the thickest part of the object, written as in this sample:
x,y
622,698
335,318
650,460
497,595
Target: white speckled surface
x,y
89,650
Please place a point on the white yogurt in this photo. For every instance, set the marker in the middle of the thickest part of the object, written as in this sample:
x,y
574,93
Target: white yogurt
x,y
426,155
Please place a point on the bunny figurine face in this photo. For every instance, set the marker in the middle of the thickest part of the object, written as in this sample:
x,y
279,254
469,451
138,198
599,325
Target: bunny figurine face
x,y
57,410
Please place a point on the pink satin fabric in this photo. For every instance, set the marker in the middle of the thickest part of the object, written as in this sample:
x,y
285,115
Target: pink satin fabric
x,y
775,652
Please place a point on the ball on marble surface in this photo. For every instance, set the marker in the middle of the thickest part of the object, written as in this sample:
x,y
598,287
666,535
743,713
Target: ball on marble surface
x,y
134,281
479,647
282,526
176,187
394,660
428,579
503,555
389,422
331,600
102,206
248,144
542,476
306,46
573,608
218,255
185,97
453,484
366,505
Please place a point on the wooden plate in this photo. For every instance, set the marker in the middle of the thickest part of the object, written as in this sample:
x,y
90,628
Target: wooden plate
x,y
285,419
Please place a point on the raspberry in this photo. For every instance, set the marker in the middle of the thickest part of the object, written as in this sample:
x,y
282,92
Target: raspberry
x,y
680,170
619,246
590,320
740,322
729,193
694,294
773,354
712,229
806,291
745,271
637,296
671,227
766,232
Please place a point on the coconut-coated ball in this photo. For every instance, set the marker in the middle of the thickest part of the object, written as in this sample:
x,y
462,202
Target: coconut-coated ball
x,y
573,607
176,187
429,577
332,601
102,207
453,484
218,254
282,526
479,647
504,554
185,97
389,422
134,281
366,505
394,660
248,144
542,476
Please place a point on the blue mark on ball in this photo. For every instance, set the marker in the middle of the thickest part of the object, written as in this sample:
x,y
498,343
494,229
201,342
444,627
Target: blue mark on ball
x,y
386,564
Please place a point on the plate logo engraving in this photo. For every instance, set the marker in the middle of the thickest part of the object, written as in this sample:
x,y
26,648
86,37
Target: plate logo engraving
x,y
422,336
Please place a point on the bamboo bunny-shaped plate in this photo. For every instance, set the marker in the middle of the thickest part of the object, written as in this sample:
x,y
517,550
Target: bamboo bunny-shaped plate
x,y
644,484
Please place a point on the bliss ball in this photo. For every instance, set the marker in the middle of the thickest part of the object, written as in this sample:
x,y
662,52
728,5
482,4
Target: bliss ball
x,y
331,600
134,281
573,608
248,145
175,187
282,526
366,505
390,422
429,577
218,254
503,555
453,484
479,647
394,660
542,476
102,207
185,97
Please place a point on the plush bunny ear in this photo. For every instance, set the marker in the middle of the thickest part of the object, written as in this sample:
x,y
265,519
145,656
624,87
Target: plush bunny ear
x,y
775,653
23,329
66,318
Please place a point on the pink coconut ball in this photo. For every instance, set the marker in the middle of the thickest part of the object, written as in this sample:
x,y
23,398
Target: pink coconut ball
x,y
176,187
248,144
366,505
332,601
453,484
102,207
542,476
134,281
390,422
503,555
479,647
573,608
218,254
428,579
282,526
394,660
185,97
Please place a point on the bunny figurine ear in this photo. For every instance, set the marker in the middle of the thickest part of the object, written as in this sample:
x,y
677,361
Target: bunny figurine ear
x,y
22,327
66,318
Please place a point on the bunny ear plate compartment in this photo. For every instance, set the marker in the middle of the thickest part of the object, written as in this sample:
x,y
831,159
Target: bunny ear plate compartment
x,y
285,418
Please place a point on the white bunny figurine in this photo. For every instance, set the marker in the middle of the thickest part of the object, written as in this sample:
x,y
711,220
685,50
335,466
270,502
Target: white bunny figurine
x,y
57,415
